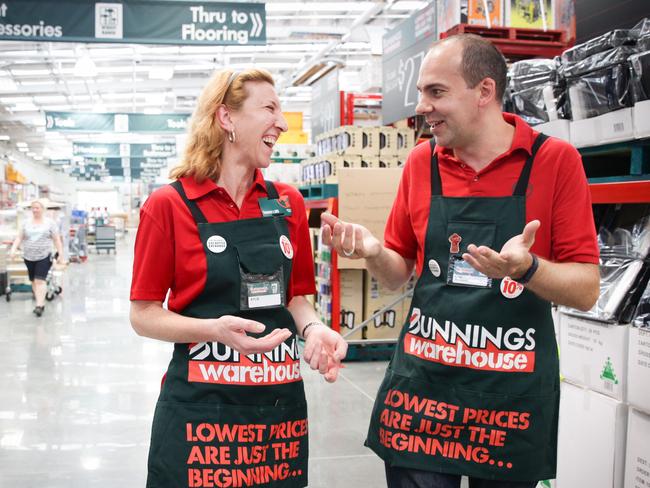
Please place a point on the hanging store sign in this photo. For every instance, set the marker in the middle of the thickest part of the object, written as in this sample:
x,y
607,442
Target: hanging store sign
x,y
325,104
404,49
134,21
92,122
124,151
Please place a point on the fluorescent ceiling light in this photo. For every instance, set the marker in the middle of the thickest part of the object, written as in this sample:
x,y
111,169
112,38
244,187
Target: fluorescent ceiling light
x,y
408,5
21,144
4,137
49,98
23,149
319,6
152,111
85,67
7,85
31,72
164,73
24,107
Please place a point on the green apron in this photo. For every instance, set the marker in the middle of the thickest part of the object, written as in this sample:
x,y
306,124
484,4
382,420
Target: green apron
x,y
224,419
473,386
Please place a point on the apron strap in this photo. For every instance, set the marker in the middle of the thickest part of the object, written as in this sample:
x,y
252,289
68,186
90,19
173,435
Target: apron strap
x,y
270,189
436,182
522,184
199,218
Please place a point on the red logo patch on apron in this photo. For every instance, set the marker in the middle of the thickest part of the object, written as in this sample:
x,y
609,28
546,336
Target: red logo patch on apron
x,y
455,243
287,248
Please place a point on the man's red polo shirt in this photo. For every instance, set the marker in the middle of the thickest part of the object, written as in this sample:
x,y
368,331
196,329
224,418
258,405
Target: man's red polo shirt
x,y
558,196
168,251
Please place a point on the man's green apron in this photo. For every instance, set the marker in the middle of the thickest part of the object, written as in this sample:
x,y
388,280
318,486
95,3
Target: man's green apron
x,y
224,419
473,386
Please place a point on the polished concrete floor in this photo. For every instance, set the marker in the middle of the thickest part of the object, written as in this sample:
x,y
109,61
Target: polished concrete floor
x,y
78,389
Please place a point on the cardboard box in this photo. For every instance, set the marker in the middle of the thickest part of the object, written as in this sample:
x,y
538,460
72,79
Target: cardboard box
x,y
557,128
369,161
594,354
591,440
477,15
637,452
638,369
388,142
405,141
641,119
389,324
533,14
351,140
367,204
610,127
351,293
388,162
371,141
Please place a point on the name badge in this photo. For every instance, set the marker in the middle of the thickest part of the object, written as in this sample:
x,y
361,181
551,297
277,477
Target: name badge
x,y
462,273
276,207
264,294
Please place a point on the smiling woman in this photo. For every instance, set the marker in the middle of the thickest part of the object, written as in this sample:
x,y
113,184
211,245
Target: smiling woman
x,y
234,251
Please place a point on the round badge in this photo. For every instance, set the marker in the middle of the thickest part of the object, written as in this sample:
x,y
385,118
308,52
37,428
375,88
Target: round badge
x,y
287,248
434,267
216,244
510,288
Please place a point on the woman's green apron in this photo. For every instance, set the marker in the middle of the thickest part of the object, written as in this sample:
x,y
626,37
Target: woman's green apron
x,y
224,419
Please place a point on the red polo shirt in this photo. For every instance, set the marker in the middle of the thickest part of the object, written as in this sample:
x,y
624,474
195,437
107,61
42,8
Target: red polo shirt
x,y
558,196
168,251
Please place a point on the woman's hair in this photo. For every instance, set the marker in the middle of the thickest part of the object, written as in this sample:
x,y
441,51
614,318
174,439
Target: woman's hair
x,y
202,156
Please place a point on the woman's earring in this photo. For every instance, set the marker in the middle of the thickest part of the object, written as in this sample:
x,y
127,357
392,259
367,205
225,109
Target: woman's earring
x,y
231,136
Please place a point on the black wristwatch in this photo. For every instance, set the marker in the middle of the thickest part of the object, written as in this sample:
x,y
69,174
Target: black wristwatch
x,y
528,275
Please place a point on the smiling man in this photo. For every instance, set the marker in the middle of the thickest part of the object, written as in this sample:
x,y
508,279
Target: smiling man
x,y
496,219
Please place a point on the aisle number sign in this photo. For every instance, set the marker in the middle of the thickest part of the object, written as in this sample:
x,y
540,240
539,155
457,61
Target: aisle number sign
x,y
121,122
404,48
134,21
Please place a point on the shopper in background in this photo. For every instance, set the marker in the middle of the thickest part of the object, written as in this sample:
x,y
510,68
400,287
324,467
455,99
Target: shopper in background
x,y
473,386
234,252
37,236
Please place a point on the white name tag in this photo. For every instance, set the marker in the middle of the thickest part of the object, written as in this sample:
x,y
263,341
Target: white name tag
x,y
264,301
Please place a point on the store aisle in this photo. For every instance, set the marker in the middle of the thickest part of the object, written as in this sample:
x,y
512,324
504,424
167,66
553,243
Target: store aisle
x,y
78,389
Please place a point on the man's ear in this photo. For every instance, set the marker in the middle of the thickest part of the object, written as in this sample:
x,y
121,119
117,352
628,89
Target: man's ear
x,y
487,91
222,118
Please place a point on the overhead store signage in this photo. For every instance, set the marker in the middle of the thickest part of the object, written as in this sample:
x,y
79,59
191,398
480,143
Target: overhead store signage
x,y
325,104
92,122
404,48
114,150
134,21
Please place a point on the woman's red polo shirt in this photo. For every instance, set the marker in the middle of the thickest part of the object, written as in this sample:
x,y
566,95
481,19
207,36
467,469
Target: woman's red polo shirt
x,y
168,251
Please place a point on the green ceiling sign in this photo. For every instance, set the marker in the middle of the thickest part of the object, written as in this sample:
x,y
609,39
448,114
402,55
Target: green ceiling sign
x,y
92,122
134,21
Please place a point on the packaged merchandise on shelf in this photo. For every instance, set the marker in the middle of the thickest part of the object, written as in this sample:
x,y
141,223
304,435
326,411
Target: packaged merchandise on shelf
x,y
485,12
600,83
351,303
624,271
387,324
537,93
535,14
591,439
637,454
605,42
640,73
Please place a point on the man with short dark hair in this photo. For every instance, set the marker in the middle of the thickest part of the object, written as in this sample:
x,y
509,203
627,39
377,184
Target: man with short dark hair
x,y
497,220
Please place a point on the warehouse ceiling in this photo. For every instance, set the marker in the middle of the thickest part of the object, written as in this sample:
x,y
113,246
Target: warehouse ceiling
x,y
36,77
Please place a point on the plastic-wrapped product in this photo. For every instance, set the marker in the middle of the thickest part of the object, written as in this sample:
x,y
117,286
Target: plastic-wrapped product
x,y
642,314
640,73
604,42
600,83
536,91
624,272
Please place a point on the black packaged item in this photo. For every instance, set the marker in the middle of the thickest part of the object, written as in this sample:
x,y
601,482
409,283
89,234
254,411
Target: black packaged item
x,y
640,71
600,83
532,72
604,42
642,28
